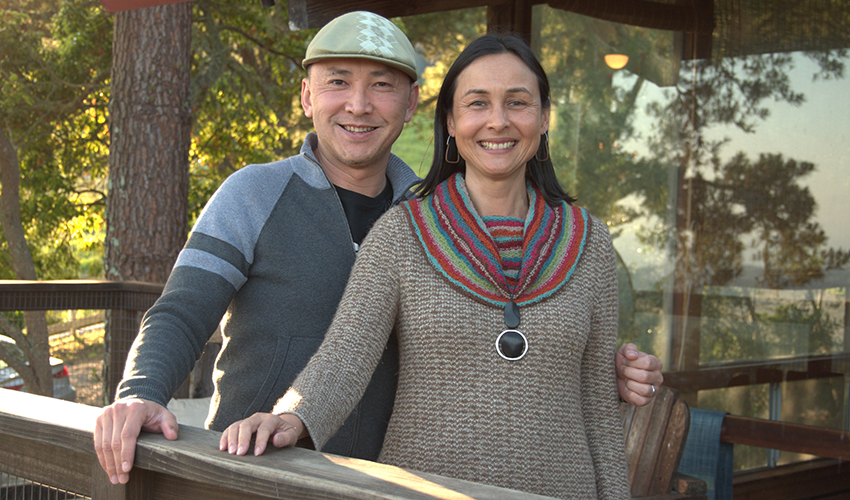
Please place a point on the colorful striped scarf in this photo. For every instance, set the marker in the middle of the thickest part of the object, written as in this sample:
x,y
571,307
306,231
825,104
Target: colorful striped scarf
x,y
457,243
507,234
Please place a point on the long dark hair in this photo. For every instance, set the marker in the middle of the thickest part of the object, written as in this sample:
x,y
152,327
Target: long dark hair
x,y
541,173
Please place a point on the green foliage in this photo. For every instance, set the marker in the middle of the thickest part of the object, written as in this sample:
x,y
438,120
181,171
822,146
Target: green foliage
x,y
438,48
53,71
246,83
415,145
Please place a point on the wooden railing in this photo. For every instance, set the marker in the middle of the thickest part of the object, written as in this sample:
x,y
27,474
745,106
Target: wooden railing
x,y
50,441
124,302
772,434
130,298
743,373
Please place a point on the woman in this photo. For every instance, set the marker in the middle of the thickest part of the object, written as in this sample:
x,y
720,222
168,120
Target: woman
x,y
504,299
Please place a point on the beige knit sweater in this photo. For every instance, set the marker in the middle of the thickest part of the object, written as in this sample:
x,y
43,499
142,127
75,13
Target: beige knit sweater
x,y
546,424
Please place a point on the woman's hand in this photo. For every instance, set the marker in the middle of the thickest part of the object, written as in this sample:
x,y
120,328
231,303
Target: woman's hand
x,y
283,430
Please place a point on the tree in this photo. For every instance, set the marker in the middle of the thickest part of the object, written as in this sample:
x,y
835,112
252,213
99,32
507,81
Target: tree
x,y
50,113
245,91
149,129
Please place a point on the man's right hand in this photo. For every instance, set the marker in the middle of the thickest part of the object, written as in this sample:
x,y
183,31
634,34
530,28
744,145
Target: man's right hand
x,y
118,427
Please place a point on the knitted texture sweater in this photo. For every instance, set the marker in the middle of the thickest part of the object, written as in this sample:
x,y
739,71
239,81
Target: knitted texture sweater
x,y
546,424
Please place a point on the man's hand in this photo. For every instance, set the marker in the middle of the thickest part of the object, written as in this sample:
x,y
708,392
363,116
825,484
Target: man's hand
x,y
638,375
117,428
282,430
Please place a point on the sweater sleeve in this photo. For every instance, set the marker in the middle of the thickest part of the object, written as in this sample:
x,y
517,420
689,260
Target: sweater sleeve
x,y
210,269
173,335
598,377
336,377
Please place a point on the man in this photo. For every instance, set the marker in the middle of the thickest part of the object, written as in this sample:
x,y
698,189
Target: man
x,y
272,251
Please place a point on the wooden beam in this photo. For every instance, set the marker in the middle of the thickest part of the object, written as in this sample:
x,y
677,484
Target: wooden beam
x,y
820,478
51,440
122,5
785,436
686,17
514,16
16,295
307,14
760,372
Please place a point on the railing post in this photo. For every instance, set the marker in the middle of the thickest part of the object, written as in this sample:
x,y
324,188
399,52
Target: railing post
x,y
135,489
847,349
775,414
121,328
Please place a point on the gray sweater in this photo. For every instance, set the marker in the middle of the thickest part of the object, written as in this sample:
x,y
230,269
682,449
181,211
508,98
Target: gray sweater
x,y
269,257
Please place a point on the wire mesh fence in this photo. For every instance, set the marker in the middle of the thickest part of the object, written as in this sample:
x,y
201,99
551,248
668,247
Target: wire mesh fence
x,y
17,488
94,354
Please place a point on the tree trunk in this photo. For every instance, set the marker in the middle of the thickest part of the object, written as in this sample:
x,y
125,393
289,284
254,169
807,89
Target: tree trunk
x,y
149,129
37,374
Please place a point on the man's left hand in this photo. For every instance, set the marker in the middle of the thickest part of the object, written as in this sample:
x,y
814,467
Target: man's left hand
x,y
638,375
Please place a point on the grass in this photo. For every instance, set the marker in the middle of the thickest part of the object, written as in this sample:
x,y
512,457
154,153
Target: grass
x,y
83,346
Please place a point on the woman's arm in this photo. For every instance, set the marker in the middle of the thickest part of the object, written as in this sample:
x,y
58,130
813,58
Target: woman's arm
x,y
598,378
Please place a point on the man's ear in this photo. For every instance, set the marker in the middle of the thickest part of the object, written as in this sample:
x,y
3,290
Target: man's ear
x,y
306,98
412,101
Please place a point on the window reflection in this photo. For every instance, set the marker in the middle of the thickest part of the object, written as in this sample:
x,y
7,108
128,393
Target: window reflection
x,y
723,181
719,162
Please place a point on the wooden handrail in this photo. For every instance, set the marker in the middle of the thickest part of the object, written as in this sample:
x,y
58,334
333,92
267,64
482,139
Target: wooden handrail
x,y
786,436
752,372
17,295
50,441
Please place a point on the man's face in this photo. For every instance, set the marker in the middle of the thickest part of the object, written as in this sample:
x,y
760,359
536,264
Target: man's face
x,y
359,108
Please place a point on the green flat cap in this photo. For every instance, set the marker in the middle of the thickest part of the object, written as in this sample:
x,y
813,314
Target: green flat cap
x,y
363,35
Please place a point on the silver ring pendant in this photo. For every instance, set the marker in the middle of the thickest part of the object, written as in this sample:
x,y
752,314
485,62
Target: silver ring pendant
x,y
511,345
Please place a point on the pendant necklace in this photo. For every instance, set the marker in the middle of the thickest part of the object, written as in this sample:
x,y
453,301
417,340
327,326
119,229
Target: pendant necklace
x,y
511,344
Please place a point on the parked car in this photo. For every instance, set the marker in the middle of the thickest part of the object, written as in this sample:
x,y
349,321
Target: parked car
x,y
10,379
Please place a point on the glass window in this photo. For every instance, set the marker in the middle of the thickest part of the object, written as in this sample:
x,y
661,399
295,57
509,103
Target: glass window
x,y
724,182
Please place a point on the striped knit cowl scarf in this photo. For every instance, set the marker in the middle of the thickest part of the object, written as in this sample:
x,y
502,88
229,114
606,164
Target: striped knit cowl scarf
x,y
458,244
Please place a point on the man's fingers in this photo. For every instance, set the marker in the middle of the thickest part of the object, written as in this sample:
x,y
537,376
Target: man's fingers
x,y
243,437
630,351
103,445
169,426
128,450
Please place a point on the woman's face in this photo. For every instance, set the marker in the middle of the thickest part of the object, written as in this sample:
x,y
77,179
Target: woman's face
x,y
497,117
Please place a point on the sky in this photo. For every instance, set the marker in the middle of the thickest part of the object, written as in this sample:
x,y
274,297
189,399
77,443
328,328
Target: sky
x,y
817,131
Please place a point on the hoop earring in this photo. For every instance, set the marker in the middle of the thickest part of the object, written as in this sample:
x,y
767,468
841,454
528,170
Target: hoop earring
x,y
544,144
448,148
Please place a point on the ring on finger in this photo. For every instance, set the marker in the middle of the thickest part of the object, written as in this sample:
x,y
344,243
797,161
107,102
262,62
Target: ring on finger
x,y
653,391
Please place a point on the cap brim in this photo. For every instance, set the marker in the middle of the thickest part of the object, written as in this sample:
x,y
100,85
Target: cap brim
x,y
407,70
